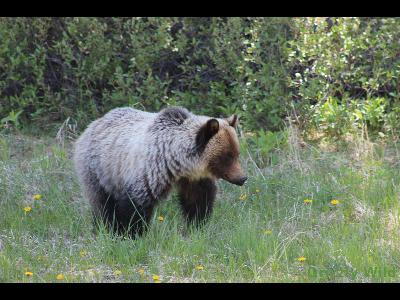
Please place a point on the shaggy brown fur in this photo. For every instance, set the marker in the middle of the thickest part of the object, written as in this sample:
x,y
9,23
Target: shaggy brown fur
x,y
128,160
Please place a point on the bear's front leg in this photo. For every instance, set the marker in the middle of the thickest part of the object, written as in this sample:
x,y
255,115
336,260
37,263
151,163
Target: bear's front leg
x,y
197,198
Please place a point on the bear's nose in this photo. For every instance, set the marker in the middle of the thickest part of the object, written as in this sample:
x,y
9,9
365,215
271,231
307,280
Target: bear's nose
x,y
240,181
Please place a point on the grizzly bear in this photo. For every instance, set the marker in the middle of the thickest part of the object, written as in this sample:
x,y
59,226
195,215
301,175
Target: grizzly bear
x,y
128,160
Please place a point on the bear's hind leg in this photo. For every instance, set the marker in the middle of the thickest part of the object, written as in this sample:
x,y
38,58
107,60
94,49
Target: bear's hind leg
x,y
133,219
103,208
197,199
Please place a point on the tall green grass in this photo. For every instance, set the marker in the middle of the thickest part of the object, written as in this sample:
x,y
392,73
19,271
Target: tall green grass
x,y
256,233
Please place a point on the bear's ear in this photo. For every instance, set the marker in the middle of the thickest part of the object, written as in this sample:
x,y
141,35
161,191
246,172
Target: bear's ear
x,y
233,121
206,132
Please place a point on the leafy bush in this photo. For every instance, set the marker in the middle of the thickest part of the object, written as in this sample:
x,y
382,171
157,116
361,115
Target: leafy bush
x,y
329,74
345,72
54,68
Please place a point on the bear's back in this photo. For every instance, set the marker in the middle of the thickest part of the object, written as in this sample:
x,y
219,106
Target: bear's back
x,y
125,115
113,144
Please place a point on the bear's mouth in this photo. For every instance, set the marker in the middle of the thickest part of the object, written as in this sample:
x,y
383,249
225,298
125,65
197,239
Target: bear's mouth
x,y
237,181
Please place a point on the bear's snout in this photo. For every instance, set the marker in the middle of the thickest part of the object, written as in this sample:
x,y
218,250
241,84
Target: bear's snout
x,y
239,181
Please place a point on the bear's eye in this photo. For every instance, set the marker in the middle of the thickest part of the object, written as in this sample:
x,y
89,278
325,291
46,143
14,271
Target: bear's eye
x,y
228,158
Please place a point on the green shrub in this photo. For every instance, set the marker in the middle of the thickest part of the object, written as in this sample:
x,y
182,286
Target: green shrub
x,y
345,72
54,68
330,74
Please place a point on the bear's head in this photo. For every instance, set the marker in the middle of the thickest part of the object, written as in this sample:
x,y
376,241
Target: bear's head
x,y
219,144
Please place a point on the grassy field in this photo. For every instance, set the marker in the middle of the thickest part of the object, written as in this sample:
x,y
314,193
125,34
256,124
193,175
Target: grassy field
x,y
261,232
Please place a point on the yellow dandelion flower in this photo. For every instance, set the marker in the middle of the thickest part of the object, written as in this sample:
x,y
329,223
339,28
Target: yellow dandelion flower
x,y
60,277
156,277
82,253
267,231
243,197
335,202
157,281
28,273
199,267
160,218
37,197
27,209
301,259
117,272
307,201
257,190
141,271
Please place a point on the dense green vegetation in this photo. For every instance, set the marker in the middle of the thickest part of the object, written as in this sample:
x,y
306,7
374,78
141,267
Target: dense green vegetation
x,y
319,107
335,74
